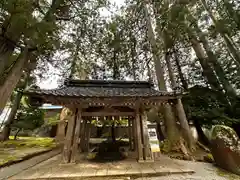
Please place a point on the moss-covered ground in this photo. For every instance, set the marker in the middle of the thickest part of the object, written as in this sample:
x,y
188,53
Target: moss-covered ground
x,y
15,150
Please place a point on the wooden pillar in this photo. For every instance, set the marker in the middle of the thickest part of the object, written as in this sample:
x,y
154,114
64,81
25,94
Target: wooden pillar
x,y
130,133
87,135
146,145
134,134
82,135
61,132
139,137
76,139
69,138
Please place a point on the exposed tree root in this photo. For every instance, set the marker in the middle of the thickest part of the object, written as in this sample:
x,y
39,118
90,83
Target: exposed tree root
x,y
203,147
185,151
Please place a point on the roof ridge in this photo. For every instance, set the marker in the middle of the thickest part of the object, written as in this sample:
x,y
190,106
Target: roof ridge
x,y
107,83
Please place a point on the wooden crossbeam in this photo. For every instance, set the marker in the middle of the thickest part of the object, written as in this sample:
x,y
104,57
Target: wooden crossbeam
x,y
101,113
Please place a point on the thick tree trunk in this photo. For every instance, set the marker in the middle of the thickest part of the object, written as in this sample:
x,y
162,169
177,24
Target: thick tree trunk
x,y
184,124
179,107
202,138
207,69
172,131
75,58
229,42
116,73
133,56
6,50
218,69
10,34
156,58
183,81
7,128
213,60
170,70
13,78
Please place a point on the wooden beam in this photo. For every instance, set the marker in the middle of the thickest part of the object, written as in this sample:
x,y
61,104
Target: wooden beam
x,y
69,138
107,101
101,113
76,137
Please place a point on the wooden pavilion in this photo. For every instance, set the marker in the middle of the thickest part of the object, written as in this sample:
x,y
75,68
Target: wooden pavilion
x,y
101,98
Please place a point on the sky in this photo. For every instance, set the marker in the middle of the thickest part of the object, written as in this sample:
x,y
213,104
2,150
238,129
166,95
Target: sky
x,y
52,81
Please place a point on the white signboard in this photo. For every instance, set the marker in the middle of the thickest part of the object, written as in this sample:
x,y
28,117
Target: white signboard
x,y
153,140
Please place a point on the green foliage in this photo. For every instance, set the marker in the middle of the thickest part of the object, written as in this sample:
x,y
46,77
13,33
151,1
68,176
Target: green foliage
x,y
219,131
209,106
109,122
53,120
24,142
28,117
12,150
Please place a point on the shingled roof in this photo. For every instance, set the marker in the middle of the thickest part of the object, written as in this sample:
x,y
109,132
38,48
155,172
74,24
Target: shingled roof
x,y
102,88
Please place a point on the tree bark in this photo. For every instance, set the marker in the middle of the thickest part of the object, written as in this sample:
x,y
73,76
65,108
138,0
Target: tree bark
x,y
207,69
156,57
183,81
116,73
213,59
6,49
202,138
170,71
7,128
13,78
170,126
10,33
173,134
75,57
229,42
179,107
10,36
218,69
133,56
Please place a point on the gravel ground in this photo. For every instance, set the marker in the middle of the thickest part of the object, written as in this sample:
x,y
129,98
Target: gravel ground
x,y
203,171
